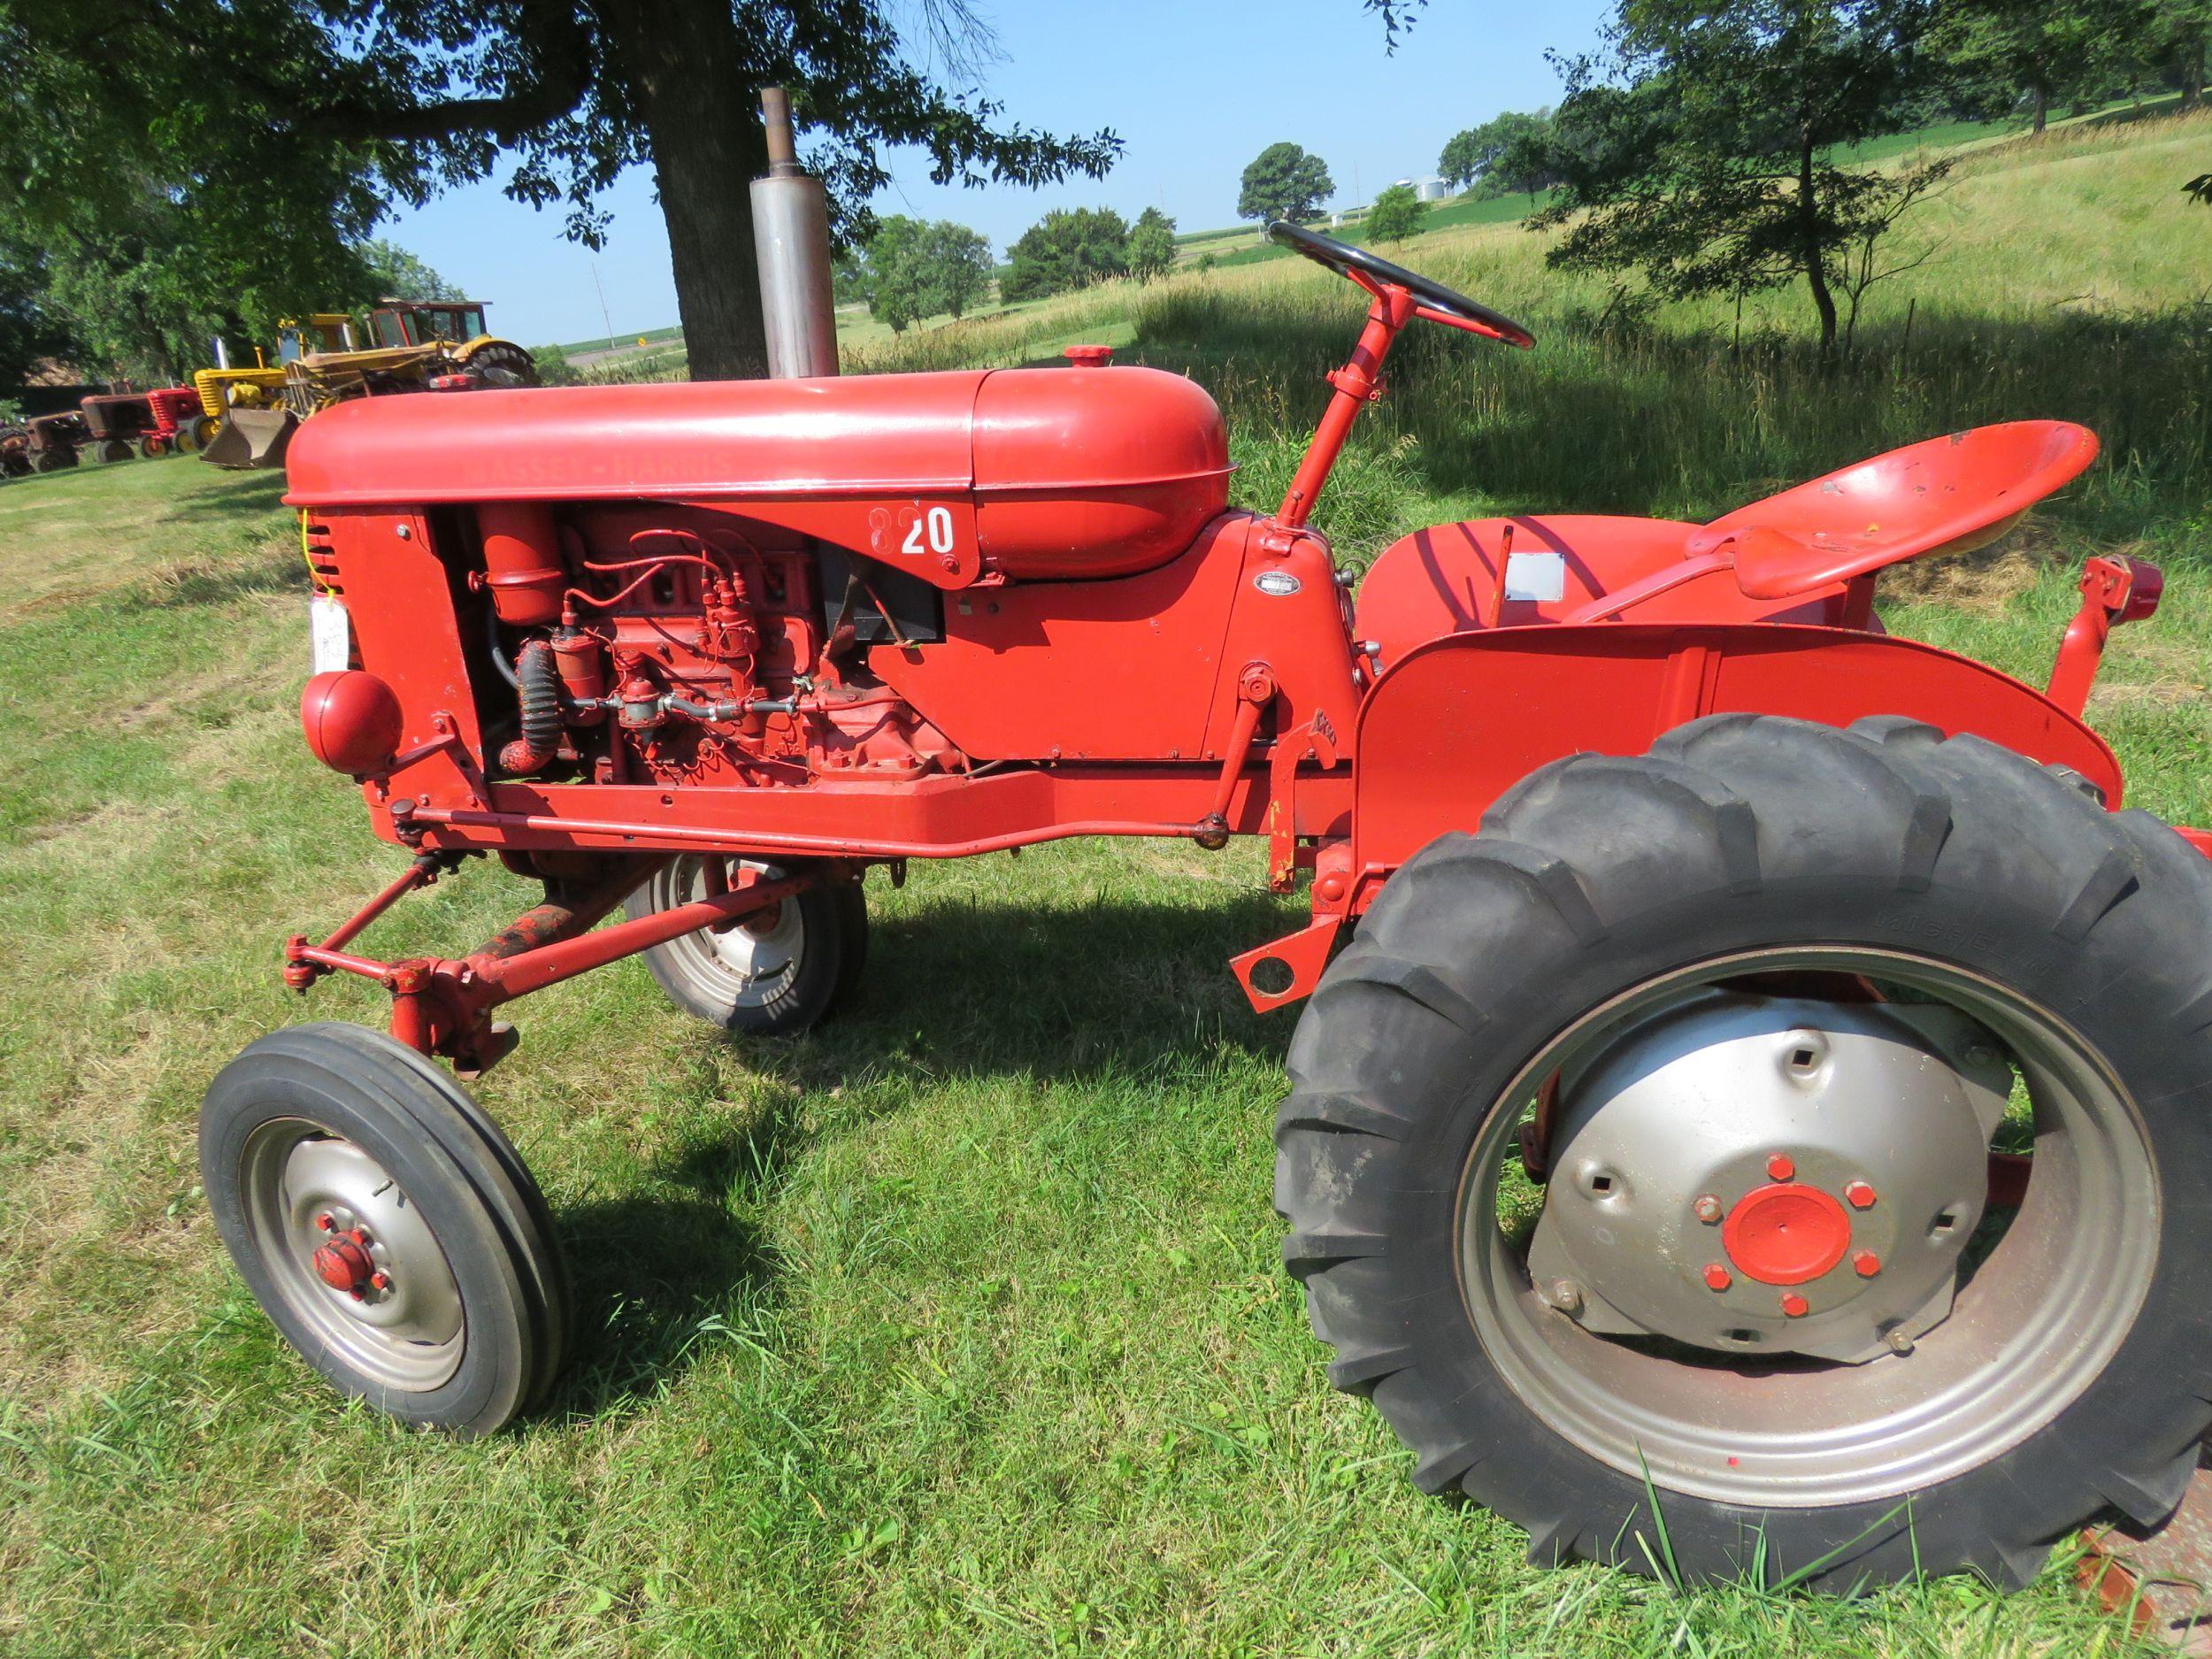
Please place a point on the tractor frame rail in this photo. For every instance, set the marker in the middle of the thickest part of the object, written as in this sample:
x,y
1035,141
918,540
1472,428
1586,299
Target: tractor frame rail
x,y
442,1007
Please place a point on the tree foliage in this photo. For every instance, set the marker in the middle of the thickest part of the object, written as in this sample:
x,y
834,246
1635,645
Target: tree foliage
x,y
1703,145
2180,33
1396,214
396,273
1509,154
912,269
1284,182
1151,248
147,176
1067,248
2042,52
283,126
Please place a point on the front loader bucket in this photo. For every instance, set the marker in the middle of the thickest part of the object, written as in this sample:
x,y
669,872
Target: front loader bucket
x,y
251,438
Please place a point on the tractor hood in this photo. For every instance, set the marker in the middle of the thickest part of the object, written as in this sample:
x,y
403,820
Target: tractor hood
x,y
1073,472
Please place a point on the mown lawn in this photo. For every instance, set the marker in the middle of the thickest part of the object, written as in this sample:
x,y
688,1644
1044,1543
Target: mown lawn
x,y
957,1328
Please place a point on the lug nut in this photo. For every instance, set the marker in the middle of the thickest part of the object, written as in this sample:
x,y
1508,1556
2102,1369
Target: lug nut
x,y
1859,1195
379,1281
1781,1168
1866,1264
1717,1277
1566,1295
326,1223
1706,1209
1794,1305
1898,1340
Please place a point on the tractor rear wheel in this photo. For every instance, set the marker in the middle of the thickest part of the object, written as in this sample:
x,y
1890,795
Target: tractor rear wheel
x,y
386,1226
1785,1155
776,975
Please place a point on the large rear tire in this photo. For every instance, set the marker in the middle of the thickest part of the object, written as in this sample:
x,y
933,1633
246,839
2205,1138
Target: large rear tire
x,y
386,1226
1780,1327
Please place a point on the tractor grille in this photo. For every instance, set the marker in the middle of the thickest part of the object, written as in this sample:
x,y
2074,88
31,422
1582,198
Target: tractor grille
x,y
322,558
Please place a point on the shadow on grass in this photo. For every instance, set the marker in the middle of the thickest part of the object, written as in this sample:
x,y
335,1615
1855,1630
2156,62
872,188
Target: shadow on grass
x,y
960,990
247,496
652,1277
268,570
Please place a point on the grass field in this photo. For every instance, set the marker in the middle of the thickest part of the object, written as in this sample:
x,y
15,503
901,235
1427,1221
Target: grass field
x,y
958,1328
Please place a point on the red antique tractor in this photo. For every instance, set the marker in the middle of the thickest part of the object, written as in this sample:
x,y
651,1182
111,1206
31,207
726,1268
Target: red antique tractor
x,y
1765,1075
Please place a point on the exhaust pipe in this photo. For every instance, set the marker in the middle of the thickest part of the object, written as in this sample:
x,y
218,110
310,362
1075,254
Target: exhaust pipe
x,y
791,241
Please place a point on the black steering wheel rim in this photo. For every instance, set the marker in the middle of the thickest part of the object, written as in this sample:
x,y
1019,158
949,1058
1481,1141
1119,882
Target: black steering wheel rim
x,y
1344,257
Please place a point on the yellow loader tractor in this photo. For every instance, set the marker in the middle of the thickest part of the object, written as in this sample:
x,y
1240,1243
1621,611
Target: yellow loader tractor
x,y
408,346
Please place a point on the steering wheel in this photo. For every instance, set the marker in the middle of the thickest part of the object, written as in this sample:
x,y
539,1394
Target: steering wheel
x,y
1432,299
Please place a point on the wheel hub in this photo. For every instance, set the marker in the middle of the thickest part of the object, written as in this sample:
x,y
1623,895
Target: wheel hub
x,y
1784,1235
1752,1174
345,1263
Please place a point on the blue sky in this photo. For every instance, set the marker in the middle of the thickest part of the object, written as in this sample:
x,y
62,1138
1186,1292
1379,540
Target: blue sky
x,y
1195,89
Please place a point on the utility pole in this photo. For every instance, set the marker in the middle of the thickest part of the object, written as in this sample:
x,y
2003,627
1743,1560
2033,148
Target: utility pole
x,y
603,317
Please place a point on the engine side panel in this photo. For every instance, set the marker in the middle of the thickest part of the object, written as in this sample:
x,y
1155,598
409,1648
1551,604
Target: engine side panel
x,y
1459,721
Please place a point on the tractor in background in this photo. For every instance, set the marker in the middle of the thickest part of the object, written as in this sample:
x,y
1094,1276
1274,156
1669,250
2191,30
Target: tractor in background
x,y
408,346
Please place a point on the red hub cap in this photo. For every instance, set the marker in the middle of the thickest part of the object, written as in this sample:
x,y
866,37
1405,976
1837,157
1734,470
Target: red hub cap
x,y
342,1264
1786,1235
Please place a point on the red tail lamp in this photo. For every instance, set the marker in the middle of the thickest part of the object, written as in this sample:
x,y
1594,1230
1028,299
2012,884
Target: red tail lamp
x,y
352,720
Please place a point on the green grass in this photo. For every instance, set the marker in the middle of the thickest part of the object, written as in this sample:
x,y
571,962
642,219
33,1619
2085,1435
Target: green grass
x,y
959,1327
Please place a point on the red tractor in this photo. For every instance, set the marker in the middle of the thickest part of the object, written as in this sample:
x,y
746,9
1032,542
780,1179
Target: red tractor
x,y
1765,1077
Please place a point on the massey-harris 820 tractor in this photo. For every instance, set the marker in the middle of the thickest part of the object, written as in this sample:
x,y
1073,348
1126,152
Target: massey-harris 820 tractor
x,y
1752,1067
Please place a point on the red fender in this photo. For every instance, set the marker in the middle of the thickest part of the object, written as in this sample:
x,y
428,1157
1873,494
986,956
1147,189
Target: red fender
x,y
1461,719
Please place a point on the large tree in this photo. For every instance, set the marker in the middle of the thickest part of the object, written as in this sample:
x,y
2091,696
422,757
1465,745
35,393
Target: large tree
x,y
2005,53
1507,150
396,273
557,97
1283,181
1396,214
1151,248
1707,144
1067,249
148,179
912,269
2180,32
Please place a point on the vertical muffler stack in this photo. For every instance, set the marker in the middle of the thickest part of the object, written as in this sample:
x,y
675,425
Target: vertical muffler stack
x,y
791,241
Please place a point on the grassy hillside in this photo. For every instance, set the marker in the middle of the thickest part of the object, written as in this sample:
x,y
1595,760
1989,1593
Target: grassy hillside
x,y
958,1328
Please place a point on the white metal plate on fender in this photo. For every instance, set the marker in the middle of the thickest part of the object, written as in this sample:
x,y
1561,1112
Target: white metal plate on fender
x,y
1542,577
330,633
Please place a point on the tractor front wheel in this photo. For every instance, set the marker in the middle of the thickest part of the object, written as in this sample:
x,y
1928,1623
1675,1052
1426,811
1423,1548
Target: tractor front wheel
x,y
1785,1155
776,974
386,1226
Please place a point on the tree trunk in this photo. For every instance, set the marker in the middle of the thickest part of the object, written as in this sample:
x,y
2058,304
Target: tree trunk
x,y
2189,52
1811,252
694,96
2042,107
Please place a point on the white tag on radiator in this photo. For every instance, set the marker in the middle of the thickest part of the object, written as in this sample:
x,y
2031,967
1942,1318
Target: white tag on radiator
x,y
1542,577
330,632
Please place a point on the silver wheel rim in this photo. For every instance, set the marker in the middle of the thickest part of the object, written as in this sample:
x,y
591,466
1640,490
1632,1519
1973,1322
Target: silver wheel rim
x,y
747,966
2030,1327
306,1186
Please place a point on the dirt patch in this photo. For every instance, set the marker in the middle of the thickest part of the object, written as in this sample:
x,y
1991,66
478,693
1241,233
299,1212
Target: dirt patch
x,y
1986,580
